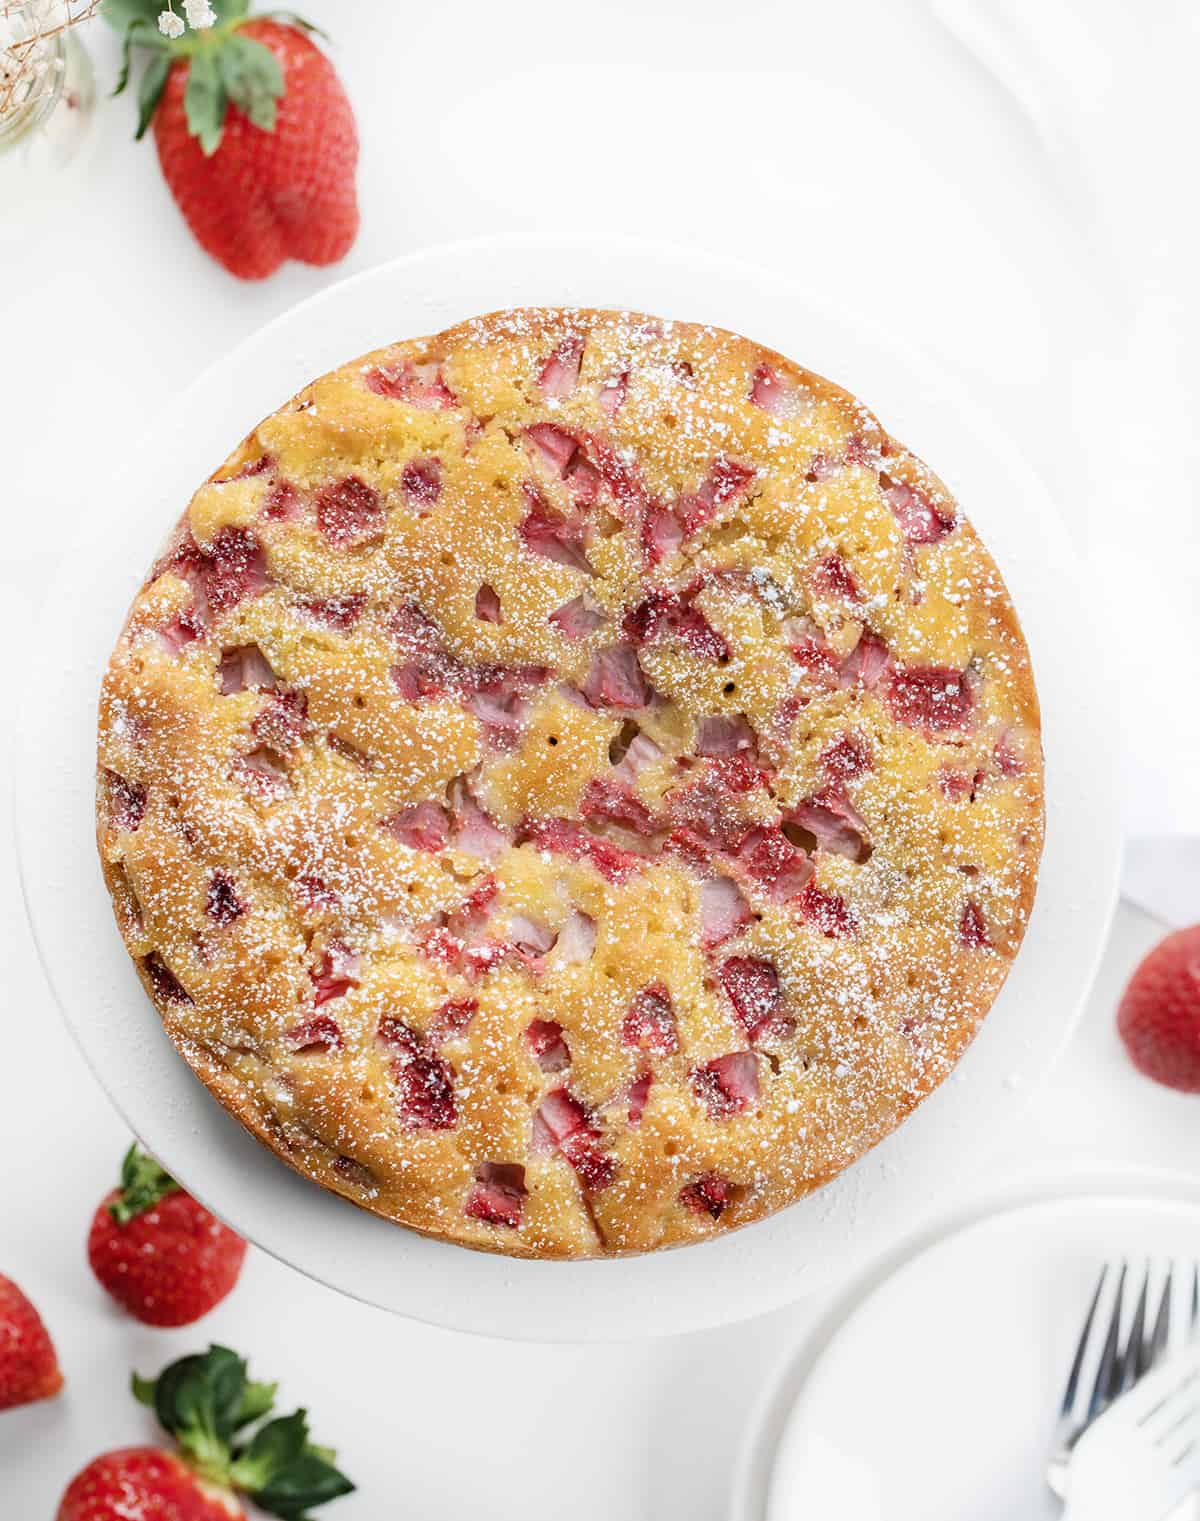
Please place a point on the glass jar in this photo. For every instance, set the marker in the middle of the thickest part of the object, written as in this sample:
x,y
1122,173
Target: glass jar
x,y
49,118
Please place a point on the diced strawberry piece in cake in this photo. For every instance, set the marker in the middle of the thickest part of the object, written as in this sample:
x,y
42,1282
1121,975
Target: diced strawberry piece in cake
x,y
261,773
722,735
835,824
350,513
553,537
726,480
321,1033
778,394
126,802
560,373
549,1048
723,910
832,578
576,940
637,1096
487,605
498,1194
222,903
632,753
243,668
566,837
752,986
672,615
768,859
649,1023
424,1092
708,1195
622,478
921,519
474,832
562,1123
282,503
163,980
552,448
615,679
336,974
234,568
662,533
576,619
972,927
452,1020
181,631
420,385
727,1085
283,723
934,698
612,393
421,826
612,803
866,663
826,911
421,483
531,937
848,757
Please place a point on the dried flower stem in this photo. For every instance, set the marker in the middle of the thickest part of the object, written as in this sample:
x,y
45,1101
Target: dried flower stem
x,y
27,29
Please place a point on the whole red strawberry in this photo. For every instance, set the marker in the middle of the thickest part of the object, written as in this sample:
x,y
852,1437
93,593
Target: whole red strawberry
x,y
158,1252
28,1362
160,1485
209,1406
255,135
1159,1014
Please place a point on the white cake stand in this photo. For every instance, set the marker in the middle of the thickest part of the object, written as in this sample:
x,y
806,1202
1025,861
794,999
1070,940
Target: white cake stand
x,y
819,1240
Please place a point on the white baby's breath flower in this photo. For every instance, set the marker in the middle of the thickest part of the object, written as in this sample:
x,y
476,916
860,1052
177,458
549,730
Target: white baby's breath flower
x,y
169,24
200,14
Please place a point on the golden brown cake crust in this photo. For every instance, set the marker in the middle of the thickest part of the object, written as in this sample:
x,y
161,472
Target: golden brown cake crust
x,y
572,784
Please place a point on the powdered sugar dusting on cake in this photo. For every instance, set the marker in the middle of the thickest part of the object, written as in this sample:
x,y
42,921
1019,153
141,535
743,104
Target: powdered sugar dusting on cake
x,y
572,784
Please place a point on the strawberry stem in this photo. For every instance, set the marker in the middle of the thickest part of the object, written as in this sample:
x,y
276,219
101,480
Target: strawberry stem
x,y
143,1184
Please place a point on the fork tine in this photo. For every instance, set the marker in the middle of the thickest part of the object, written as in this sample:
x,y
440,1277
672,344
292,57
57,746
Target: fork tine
x,y
1072,1388
1137,1351
1108,1374
1195,1316
1162,1323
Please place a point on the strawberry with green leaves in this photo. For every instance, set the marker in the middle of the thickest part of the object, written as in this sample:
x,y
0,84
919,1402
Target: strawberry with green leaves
x,y
225,1447
157,1251
255,135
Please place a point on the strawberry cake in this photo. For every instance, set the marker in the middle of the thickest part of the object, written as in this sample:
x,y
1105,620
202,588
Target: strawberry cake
x,y
573,784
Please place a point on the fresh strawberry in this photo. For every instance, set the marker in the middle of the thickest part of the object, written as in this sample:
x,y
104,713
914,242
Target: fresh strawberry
x,y
255,135
147,1483
208,1404
1159,1013
159,1253
28,1363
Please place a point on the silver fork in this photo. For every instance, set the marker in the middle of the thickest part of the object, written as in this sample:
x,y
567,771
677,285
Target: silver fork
x,y
1119,1365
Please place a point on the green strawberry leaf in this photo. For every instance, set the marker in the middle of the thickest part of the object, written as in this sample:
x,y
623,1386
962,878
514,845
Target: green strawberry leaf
x,y
123,14
206,1399
143,1181
285,1473
205,99
252,78
154,82
137,33
230,10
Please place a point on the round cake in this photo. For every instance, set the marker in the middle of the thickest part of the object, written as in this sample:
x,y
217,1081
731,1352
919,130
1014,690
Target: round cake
x,y
571,785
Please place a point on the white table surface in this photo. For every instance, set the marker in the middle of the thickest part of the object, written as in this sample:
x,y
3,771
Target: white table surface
x,y
855,144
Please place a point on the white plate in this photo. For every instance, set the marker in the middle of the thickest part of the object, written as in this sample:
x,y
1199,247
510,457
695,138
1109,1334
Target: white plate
x,y
937,1396
768,1264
